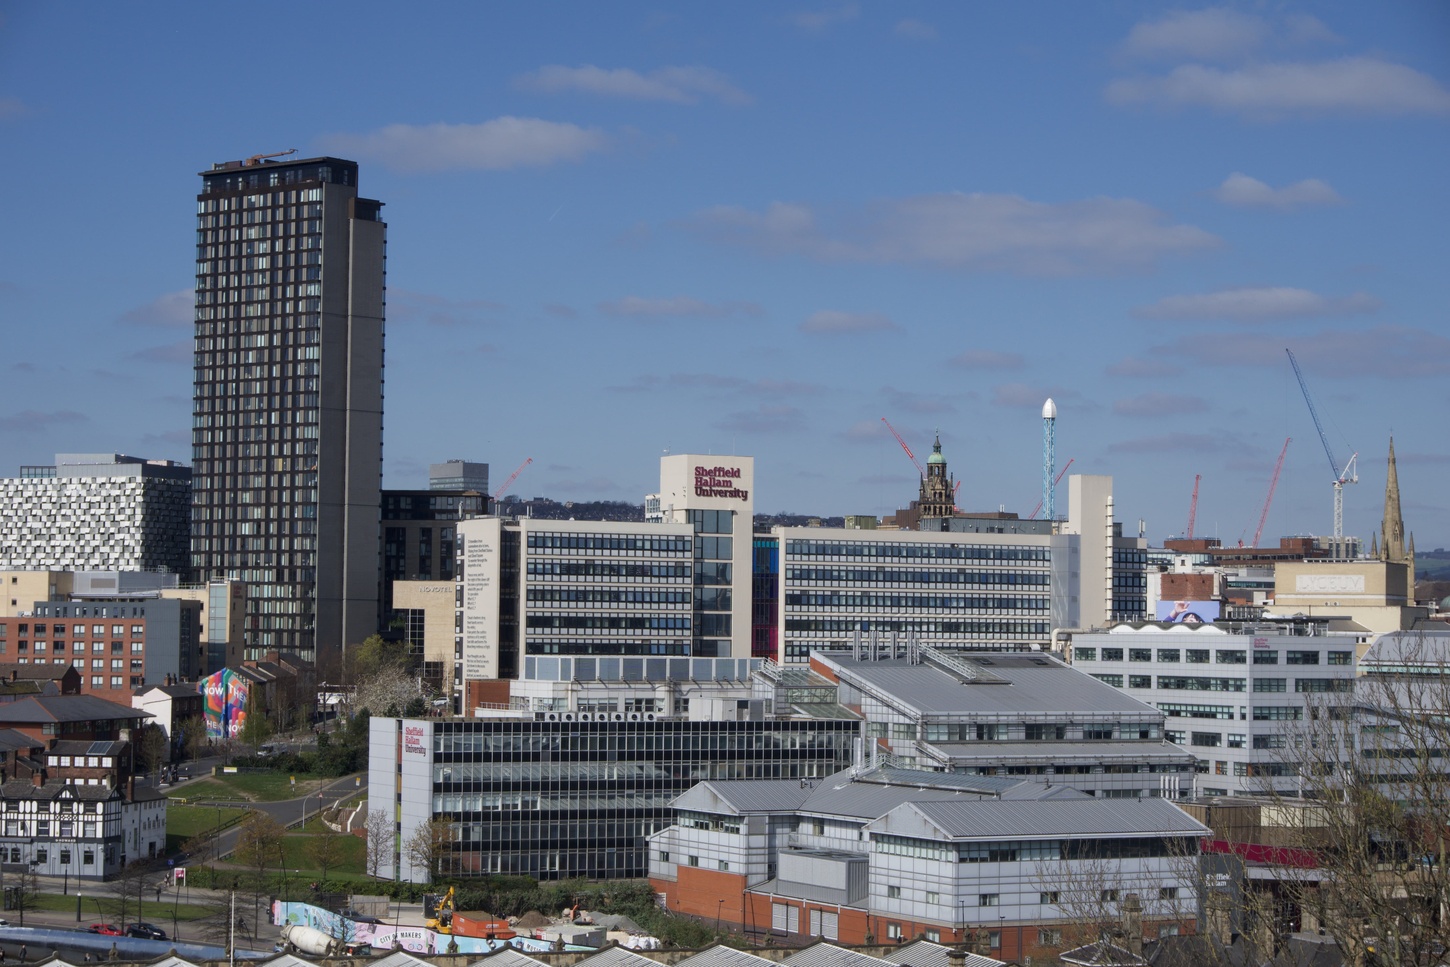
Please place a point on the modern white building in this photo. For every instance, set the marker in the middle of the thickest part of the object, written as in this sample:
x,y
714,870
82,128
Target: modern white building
x,y
96,511
1230,691
886,855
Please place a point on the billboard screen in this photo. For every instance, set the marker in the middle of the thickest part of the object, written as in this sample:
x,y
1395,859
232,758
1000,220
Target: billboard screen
x,y
1188,612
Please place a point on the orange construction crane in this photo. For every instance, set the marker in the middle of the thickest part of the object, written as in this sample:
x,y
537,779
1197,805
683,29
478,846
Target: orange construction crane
x,y
1273,482
257,159
1060,474
919,468
512,477
1193,505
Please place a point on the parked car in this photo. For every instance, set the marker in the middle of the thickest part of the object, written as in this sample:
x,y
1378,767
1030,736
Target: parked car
x,y
106,929
145,931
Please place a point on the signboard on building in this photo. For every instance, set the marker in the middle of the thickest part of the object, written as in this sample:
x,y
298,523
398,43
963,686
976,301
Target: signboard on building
x,y
482,546
1188,612
224,703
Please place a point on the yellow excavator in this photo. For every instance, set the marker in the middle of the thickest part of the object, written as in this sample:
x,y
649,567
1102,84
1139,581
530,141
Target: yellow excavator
x,y
438,912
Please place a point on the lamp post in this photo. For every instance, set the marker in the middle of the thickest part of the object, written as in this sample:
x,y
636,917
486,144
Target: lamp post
x,y
719,905
78,906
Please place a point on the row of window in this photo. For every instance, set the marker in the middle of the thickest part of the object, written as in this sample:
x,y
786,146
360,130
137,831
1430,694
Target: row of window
x,y
76,631
610,542
867,600
1222,656
878,576
940,552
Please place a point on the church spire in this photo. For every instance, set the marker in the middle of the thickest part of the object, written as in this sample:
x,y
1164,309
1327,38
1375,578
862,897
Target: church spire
x,y
1392,528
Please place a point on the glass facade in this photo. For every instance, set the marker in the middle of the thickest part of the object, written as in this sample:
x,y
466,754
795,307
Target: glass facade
x,y
557,799
286,282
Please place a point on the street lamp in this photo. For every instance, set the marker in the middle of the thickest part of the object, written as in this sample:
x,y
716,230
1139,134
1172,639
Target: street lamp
x,y
719,905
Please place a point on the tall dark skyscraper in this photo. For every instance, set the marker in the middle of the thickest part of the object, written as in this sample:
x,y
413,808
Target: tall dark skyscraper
x,y
287,424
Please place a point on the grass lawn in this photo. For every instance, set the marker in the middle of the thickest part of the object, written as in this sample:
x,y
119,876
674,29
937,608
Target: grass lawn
x,y
151,911
183,823
254,786
351,853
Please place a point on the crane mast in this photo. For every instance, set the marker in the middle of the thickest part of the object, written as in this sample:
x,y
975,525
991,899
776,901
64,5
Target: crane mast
x,y
512,477
1273,483
1348,472
1193,505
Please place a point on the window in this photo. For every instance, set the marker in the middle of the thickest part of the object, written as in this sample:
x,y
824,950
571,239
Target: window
x,y
1340,657
1112,654
1039,733
933,935
724,865
1323,685
1167,654
1048,896
1301,657
1197,656
1262,657
994,939
893,931
1231,656
1269,684
1108,896
1140,654
1268,742
987,899
932,896
893,892
986,732
1114,680
694,861
1140,681
42,854
1084,654
1236,740
664,856
1100,733
1049,938
1168,930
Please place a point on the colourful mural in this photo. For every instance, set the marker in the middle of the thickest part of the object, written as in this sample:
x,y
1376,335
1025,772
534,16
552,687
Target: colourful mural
x,y
225,703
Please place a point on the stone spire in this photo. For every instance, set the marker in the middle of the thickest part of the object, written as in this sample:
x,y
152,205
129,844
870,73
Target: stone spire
x,y
1392,528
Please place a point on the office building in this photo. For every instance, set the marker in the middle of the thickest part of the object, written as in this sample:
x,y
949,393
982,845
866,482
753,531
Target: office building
x,y
420,540
574,794
887,855
459,475
288,399
96,511
1230,691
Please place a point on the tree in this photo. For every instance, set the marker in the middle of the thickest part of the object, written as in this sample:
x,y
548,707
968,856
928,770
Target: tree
x,y
429,846
325,850
1363,784
151,747
255,729
24,891
130,886
381,840
193,737
259,850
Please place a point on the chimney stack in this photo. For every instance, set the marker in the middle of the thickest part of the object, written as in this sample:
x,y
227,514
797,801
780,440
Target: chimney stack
x,y
1133,923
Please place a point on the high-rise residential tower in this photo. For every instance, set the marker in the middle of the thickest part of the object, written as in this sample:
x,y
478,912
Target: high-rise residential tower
x,y
288,399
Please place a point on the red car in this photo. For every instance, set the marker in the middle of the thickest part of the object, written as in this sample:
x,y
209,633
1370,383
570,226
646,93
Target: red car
x,y
106,929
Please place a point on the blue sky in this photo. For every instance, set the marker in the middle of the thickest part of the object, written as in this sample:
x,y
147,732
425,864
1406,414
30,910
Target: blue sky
x,y
617,229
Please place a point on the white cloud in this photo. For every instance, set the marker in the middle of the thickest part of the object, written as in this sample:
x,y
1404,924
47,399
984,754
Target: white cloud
x,y
638,307
502,143
1242,191
1210,34
1249,304
832,321
1350,85
167,311
915,30
976,232
830,16
677,85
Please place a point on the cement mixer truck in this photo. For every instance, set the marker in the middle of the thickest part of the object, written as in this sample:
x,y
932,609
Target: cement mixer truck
x,y
310,940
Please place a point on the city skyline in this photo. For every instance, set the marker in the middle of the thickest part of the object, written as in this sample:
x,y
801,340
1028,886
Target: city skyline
x,y
614,233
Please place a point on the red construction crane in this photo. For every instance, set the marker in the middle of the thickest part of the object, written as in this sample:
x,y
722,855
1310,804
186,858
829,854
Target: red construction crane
x,y
512,477
919,468
1055,482
1273,482
1193,505
258,158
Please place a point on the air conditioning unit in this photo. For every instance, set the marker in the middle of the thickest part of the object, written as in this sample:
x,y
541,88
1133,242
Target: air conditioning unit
x,y
551,716
650,716
634,716
586,716
566,716
616,716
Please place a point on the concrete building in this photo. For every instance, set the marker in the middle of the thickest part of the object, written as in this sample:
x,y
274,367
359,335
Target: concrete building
x,y
888,855
1004,715
95,511
459,475
288,399
1228,689
425,610
420,538
574,794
